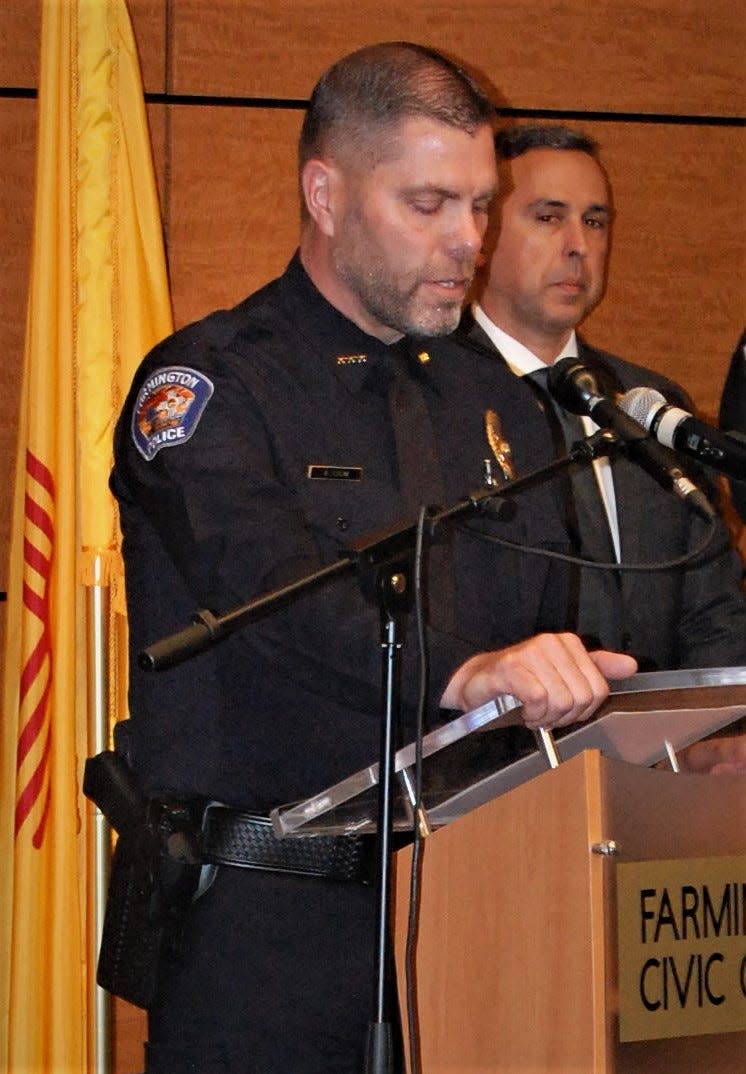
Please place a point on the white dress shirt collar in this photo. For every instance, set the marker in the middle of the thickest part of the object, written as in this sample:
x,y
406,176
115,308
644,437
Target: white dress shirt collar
x,y
520,359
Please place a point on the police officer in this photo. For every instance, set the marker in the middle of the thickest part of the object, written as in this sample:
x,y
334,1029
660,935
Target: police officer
x,y
289,444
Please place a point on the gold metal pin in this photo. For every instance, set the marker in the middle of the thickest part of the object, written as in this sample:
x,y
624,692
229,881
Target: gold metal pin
x,y
499,446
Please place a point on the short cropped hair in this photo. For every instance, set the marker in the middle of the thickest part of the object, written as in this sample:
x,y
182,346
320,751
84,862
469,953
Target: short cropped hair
x,y
375,87
512,142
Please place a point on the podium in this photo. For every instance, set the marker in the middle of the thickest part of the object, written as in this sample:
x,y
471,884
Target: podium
x,y
518,950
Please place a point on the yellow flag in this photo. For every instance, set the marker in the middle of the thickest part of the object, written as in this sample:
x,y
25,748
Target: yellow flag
x,y
98,300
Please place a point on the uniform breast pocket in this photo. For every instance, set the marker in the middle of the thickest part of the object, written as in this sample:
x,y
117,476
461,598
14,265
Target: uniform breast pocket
x,y
342,510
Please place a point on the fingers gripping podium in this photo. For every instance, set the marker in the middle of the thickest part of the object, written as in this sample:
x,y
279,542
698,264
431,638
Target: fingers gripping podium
x,y
519,942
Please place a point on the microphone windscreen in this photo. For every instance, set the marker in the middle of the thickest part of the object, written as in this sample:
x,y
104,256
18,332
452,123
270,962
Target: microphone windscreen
x,y
573,384
642,404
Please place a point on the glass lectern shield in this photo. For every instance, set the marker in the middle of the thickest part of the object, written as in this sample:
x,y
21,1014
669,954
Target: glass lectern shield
x,y
467,762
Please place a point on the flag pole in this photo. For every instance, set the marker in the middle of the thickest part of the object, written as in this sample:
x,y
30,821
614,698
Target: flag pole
x,y
99,833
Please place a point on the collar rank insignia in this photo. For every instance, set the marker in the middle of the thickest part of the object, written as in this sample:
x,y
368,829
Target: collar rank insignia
x,y
168,408
352,359
499,446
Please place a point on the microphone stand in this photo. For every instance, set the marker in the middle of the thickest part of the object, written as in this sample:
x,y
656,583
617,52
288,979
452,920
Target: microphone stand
x,y
395,603
383,563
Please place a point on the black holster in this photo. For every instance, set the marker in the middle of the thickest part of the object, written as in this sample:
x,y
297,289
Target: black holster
x,y
154,874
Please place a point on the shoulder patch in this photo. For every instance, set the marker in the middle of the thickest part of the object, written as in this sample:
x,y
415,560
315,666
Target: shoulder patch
x,y
168,408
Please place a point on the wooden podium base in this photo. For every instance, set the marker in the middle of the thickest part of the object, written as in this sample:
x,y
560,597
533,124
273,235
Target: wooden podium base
x,y
516,962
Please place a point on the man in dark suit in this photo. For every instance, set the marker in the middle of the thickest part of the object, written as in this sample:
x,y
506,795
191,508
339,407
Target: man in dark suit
x,y
546,272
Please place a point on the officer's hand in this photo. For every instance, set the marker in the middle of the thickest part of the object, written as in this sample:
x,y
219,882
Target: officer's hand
x,y
557,680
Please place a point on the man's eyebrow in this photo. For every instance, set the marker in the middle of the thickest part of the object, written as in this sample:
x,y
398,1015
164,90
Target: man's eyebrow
x,y
425,190
557,203
444,192
429,188
548,203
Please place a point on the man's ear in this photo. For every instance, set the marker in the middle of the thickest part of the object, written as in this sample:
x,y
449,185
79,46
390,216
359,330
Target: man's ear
x,y
322,184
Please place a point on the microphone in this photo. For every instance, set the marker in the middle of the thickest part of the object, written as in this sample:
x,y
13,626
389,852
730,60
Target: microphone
x,y
676,428
573,384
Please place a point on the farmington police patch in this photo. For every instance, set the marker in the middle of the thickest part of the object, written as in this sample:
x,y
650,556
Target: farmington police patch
x,y
168,408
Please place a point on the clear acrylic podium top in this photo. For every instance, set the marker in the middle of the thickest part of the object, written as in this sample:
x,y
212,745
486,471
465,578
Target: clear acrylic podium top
x,y
466,761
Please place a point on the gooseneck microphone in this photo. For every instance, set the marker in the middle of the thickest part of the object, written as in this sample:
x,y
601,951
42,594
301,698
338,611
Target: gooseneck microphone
x,y
574,384
676,428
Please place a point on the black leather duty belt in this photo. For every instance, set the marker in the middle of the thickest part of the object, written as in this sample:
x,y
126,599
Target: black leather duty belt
x,y
232,837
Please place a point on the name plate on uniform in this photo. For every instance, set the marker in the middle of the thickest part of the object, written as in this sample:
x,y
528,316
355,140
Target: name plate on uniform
x,y
682,947
324,472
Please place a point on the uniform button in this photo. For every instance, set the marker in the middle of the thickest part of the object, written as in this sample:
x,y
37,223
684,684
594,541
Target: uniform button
x,y
626,641
342,524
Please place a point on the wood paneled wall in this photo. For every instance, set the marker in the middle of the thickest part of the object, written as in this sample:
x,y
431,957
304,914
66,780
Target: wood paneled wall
x,y
658,82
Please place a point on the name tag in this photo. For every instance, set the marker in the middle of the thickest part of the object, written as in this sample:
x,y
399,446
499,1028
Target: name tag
x,y
319,472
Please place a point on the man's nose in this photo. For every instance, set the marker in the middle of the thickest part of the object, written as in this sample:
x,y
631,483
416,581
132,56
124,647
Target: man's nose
x,y
469,232
576,238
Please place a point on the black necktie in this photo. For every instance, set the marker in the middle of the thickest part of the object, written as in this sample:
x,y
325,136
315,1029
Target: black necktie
x,y
419,471
595,609
417,462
